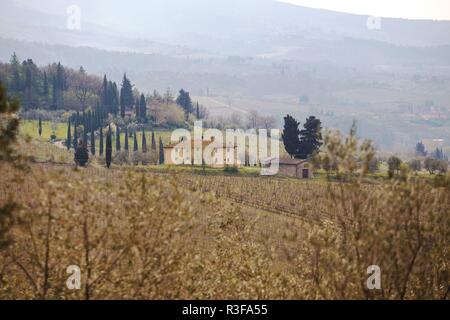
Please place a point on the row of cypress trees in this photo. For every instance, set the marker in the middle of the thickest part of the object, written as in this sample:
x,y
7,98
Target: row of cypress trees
x,y
81,154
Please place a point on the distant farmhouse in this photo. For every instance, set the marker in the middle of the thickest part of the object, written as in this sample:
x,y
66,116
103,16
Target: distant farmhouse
x,y
180,156
296,168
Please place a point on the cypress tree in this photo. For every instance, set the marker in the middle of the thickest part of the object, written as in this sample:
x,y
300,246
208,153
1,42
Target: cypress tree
x,y
184,100
87,121
108,154
91,121
59,85
84,119
291,136
40,127
60,77
153,141
122,104
16,82
135,145
69,137
144,142
143,108
85,137
94,121
161,151
92,143
101,142
104,92
198,111
127,92
138,109
115,99
126,139
310,137
77,118
75,135
117,139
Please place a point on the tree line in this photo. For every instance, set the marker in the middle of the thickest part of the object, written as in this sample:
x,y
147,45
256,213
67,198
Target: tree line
x,y
82,147
56,87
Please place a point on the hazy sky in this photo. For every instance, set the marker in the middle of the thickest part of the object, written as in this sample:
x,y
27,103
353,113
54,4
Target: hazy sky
x,y
409,9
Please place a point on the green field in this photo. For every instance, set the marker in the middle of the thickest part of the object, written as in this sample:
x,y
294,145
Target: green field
x,y
30,128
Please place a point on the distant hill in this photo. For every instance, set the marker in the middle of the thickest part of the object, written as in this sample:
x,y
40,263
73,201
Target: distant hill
x,y
242,27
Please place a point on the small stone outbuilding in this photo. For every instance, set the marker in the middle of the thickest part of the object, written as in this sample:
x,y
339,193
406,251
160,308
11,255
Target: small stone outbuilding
x,y
297,168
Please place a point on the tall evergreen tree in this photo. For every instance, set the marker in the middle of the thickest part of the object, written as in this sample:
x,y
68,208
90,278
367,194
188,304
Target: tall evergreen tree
x,y
100,147
184,100
127,92
108,153
104,92
117,138
198,111
59,85
291,135
137,107
69,137
16,81
153,141
85,136
75,135
135,144
40,127
161,151
144,142
61,77
310,138
92,143
87,121
114,99
126,140
75,130
143,108
122,104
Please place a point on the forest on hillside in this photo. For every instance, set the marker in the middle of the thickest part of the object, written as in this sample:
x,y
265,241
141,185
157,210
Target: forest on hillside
x,y
59,91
